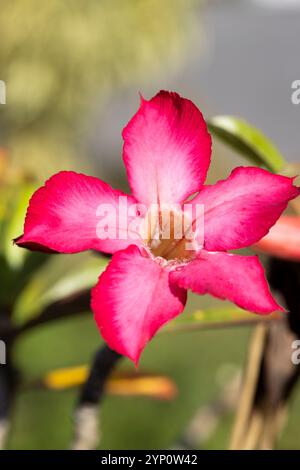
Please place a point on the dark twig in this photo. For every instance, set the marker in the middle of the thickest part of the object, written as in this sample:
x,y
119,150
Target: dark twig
x,y
103,364
70,306
8,383
87,411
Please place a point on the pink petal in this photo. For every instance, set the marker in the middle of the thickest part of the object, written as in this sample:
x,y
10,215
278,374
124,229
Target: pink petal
x,y
132,300
283,240
166,149
62,216
239,279
240,210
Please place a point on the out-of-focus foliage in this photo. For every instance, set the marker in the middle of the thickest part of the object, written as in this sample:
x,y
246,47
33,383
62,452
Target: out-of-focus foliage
x,y
248,141
217,317
57,56
252,144
56,281
30,281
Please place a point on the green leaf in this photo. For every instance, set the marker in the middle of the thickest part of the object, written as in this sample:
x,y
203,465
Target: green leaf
x,y
248,141
60,278
14,225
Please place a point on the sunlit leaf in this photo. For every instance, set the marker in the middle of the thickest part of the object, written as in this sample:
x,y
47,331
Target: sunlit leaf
x,y
137,384
14,224
4,193
248,141
60,278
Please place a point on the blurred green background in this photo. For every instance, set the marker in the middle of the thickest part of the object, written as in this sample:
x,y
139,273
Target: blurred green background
x,y
73,71
42,419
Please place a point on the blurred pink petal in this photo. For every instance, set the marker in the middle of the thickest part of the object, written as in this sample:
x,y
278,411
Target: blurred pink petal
x,y
283,240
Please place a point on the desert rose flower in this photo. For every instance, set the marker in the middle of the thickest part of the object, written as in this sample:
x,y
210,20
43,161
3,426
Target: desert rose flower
x,y
166,152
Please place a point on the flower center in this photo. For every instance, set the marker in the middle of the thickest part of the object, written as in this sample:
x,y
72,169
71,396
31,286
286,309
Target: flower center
x,y
167,233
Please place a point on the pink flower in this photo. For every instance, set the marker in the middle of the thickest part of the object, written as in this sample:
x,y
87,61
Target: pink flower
x,y
167,153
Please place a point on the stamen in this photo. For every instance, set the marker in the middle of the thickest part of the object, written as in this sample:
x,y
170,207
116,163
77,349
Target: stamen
x,y
165,233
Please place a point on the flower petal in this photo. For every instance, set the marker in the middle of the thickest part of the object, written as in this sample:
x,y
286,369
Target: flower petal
x,y
239,279
283,240
240,210
132,300
64,216
166,149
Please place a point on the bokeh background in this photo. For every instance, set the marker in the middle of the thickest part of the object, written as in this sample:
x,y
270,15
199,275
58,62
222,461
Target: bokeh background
x,y
73,72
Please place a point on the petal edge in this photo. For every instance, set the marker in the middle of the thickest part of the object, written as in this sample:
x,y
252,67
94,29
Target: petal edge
x,y
166,149
132,300
239,279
